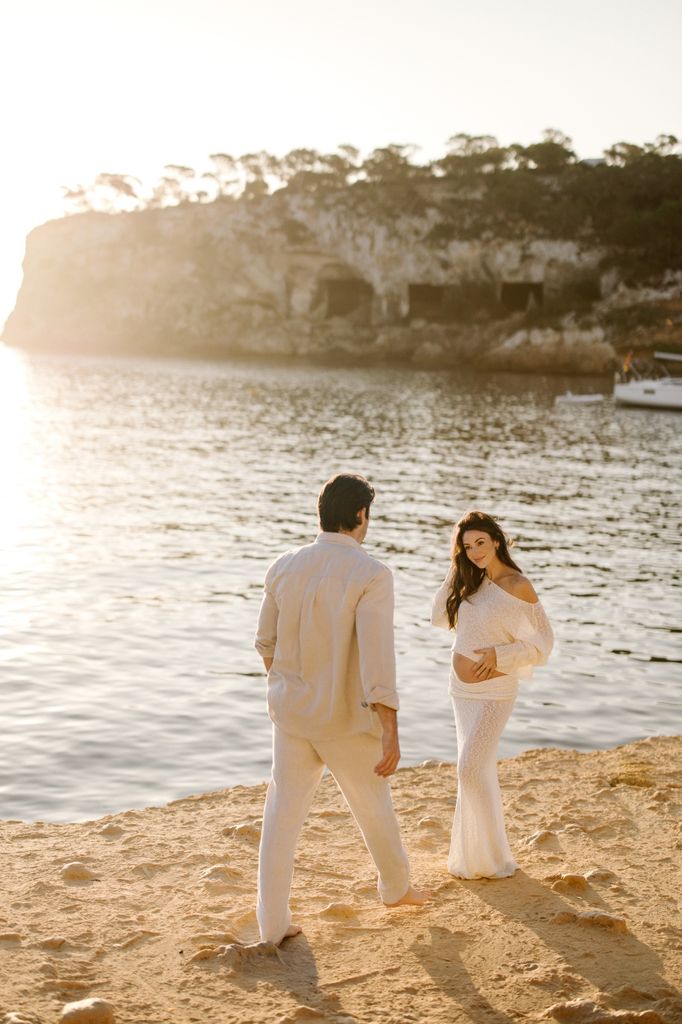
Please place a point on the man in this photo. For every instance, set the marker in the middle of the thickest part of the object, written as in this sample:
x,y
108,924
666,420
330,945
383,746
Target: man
x,y
325,633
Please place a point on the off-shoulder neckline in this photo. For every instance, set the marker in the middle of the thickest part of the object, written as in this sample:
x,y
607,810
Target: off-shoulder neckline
x,y
528,604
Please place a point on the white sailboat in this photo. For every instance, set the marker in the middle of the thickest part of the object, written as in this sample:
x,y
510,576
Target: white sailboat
x,y
655,388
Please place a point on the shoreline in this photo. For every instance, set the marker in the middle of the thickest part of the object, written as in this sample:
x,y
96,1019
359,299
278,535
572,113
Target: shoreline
x,y
159,920
332,360
261,786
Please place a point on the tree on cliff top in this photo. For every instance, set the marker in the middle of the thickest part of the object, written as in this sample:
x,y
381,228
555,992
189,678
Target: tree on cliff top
x,y
109,193
550,156
391,163
630,203
306,170
622,154
470,155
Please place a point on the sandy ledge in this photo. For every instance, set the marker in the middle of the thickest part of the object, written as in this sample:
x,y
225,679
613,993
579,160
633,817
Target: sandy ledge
x,y
159,928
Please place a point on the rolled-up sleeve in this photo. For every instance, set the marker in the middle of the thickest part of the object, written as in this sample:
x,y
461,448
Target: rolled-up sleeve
x,y
534,649
266,631
374,627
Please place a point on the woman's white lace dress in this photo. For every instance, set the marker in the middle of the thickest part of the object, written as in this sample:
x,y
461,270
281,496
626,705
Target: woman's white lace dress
x,y
522,637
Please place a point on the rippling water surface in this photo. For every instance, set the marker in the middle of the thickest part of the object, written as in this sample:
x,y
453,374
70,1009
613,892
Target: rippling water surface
x,y
142,502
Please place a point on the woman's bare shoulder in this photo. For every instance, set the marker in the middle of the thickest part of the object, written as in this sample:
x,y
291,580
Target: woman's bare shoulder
x,y
518,585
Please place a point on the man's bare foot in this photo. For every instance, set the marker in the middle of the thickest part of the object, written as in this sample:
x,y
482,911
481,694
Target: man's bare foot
x,y
412,898
293,929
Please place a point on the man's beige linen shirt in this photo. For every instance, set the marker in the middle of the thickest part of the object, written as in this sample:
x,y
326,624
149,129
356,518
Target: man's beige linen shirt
x,y
326,620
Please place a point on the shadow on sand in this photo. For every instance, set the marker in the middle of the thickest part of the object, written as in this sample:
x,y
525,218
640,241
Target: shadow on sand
x,y
587,951
291,969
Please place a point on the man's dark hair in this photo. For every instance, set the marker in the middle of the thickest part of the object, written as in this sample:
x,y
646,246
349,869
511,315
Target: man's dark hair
x,y
341,499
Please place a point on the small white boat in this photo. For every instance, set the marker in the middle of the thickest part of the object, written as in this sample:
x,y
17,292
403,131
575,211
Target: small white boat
x,y
568,398
656,389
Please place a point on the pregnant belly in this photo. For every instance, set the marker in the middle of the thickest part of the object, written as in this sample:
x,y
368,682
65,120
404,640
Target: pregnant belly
x,y
464,670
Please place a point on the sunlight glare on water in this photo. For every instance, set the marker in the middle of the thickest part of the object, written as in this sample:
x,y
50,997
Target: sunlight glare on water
x,y
142,502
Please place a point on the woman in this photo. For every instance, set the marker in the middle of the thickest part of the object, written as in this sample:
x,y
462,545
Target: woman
x,y
502,631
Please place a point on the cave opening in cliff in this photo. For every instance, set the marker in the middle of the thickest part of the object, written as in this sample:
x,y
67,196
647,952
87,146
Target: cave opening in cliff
x,y
426,301
517,296
347,295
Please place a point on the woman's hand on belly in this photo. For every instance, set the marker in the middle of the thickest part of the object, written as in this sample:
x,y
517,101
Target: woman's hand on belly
x,y
469,671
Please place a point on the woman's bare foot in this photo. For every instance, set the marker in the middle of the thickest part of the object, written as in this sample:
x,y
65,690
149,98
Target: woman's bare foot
x,y
293,929
412,898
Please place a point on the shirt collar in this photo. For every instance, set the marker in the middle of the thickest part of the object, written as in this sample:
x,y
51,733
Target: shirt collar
x,y
336,538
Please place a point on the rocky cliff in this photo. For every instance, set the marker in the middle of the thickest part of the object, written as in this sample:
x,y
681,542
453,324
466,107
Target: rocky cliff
x,y
289,274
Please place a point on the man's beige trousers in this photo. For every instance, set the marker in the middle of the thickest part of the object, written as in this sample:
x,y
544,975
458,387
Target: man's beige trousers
x,y
297,768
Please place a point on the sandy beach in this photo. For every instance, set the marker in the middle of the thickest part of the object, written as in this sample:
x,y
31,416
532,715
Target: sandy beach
x,y
152,910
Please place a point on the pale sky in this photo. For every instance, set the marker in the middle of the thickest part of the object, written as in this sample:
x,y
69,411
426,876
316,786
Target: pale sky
x,y
129,86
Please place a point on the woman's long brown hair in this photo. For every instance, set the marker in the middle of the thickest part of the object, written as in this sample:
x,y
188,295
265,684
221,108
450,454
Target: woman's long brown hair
x,y
467,576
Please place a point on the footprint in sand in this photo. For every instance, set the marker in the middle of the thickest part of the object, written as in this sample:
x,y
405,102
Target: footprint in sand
x,y
544,839
209,940
631,994
53,942
596,918
571,828
585,1011
635,775
364,888
237,957
197,858
249,830
244,920
206,953
111,831
612,827
134,939
149,869
301,1013
553,978
430,825
66,986
339,912
220,873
